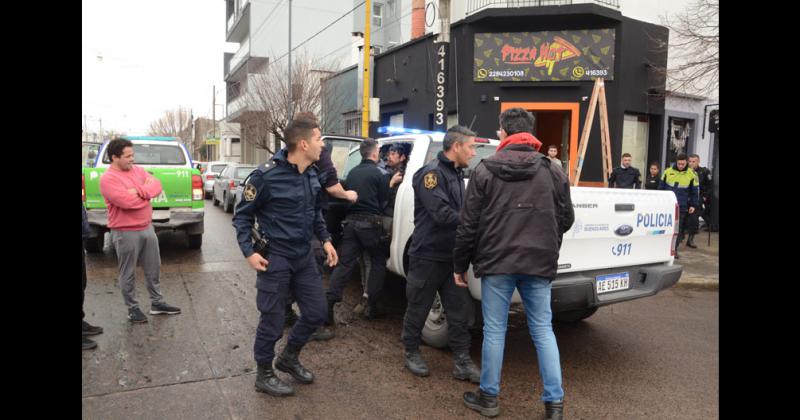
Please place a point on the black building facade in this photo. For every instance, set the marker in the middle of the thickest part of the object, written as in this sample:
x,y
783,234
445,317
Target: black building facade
x,y
543,59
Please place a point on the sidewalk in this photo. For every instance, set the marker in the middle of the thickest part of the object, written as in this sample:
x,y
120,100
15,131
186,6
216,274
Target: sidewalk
x,y
700,265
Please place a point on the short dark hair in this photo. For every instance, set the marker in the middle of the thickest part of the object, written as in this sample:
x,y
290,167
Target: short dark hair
x,y
552,146
694,155
654,164
300,127
681,156
517,120
116,146
624,155
367,147
456,133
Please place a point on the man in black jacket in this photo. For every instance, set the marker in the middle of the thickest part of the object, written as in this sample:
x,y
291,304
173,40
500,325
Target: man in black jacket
x,y
363,229
438,194
625,176
516,210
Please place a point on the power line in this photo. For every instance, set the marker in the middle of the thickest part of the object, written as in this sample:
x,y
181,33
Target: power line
x,y
321,31
373,32
267,19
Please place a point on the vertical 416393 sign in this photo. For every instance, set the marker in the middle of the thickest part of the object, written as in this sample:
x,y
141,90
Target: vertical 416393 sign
x,y
440,114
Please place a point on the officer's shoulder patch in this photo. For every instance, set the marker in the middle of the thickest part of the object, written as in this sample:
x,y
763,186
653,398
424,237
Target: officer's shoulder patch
x,y
431,181
249,193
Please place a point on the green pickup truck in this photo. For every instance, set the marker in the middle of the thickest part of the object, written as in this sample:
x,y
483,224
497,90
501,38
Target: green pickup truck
x,y
178,207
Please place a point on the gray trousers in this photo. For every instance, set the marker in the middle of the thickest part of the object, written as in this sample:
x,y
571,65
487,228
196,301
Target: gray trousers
x,y
136,247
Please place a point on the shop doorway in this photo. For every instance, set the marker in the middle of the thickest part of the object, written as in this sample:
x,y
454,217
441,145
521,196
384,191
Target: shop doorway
x,y
556,123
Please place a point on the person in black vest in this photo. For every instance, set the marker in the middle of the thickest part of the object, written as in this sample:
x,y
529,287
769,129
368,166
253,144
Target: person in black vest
x,y
653,177
363,231
625,176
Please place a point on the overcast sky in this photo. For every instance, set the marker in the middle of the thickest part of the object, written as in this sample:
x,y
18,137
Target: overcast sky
x,y
140,58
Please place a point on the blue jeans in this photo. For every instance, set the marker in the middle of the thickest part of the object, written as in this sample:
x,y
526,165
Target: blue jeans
x,y
496,292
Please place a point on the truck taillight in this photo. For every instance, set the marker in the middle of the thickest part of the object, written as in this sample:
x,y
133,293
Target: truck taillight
x,y
197,187
232,184
676,229
83,188
209,177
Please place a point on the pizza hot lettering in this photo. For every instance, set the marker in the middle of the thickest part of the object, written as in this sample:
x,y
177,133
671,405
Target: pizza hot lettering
x,y
549,53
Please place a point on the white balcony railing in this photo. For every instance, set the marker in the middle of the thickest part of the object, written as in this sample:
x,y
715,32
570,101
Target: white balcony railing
x,y
241,55
474,6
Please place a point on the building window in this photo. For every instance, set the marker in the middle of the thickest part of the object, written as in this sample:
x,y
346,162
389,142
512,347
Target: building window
x,y
352,123
377,15
236,147
634,141
678,138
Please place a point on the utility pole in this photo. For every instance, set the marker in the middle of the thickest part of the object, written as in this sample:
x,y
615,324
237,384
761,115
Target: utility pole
x,y
213,117
289,105
442,47
102,139
367,47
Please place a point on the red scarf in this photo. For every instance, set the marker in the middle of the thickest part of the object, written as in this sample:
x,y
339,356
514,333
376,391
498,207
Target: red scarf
x,y
520,138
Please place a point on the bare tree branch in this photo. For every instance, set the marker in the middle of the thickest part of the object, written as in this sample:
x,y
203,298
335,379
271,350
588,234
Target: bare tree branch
x,y
694,49
267,97
174,123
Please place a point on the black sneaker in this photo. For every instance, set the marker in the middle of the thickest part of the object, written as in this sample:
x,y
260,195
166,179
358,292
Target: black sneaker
x,y
159,308
136,316
88,344
91,329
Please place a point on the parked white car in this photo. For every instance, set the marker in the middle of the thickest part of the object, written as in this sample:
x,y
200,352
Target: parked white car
x,y
212,169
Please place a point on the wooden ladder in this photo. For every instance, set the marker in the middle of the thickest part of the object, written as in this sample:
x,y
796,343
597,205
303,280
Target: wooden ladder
x,y
598,94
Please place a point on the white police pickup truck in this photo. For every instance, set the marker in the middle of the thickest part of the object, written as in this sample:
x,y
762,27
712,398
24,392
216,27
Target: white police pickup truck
x,y
621,246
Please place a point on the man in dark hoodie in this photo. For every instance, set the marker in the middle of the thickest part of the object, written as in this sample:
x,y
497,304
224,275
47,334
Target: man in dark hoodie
x,y
516,210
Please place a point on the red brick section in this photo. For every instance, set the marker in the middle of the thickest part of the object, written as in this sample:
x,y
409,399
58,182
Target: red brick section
x,y
417,18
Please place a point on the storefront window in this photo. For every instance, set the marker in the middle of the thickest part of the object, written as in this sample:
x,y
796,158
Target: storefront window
x,y
634,141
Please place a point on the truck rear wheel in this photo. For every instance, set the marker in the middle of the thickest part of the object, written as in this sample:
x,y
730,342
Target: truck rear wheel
x,y
574,316
95,244
434,333
195,241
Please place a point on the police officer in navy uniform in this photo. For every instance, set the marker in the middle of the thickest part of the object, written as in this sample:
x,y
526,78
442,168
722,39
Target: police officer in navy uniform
x,y
284,199
438,196
363,230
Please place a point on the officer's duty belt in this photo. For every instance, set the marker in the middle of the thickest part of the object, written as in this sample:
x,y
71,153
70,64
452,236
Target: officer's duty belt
x,y
364,217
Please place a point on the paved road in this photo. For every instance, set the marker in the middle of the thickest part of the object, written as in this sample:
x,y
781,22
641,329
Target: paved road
x,y
648,359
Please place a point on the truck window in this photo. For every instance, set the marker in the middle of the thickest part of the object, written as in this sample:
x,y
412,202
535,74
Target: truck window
x,y
482,150
155,154
217,168
340,149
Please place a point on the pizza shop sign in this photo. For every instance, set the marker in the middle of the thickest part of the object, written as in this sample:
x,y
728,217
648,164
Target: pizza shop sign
x,y
544,56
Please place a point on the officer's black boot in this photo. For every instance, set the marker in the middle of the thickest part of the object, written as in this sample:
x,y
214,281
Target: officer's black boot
x,y
288,362
554,410
323,334
291,316
690,241
416,364
267,382
330,321
482,403
370,312
465,368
